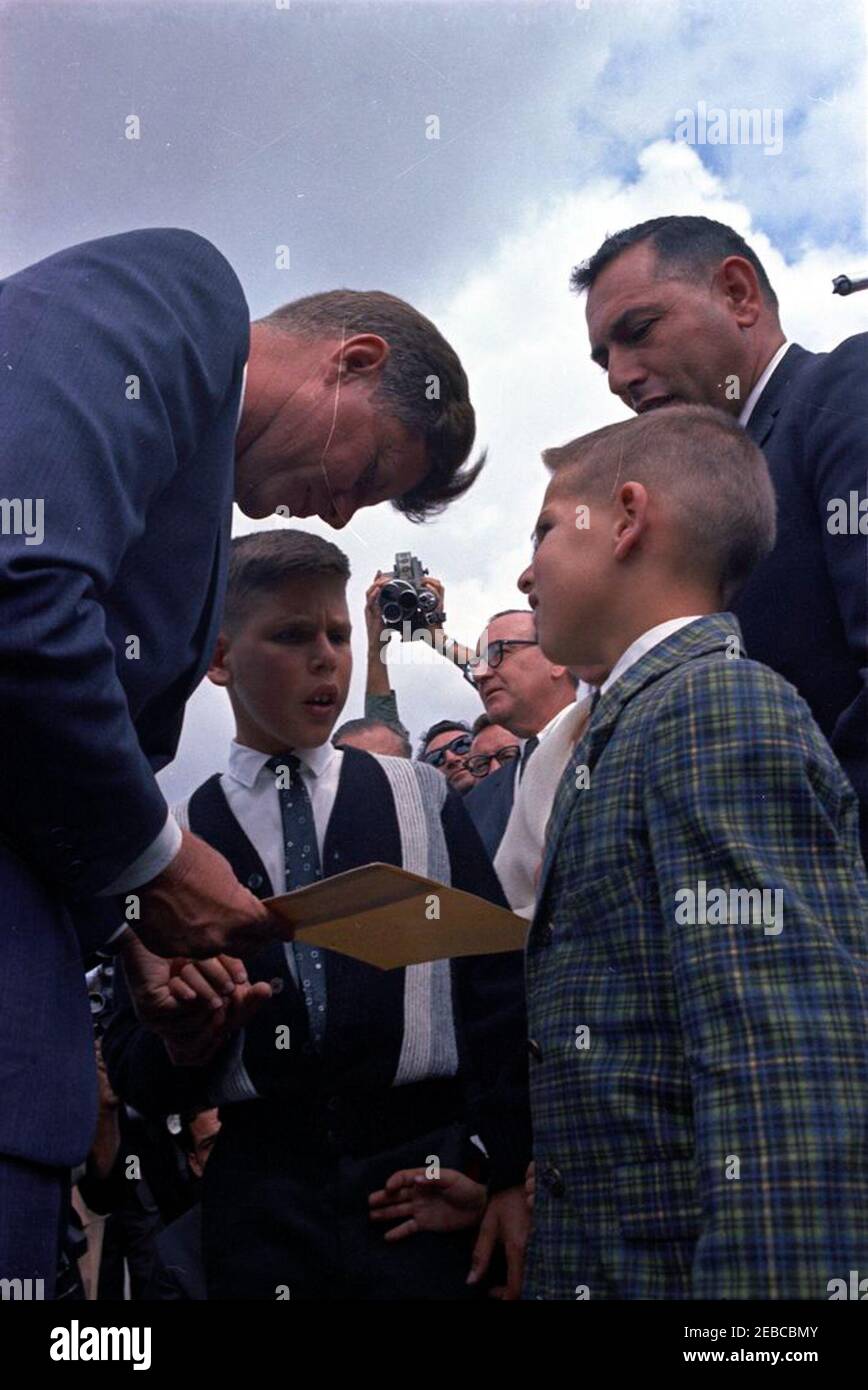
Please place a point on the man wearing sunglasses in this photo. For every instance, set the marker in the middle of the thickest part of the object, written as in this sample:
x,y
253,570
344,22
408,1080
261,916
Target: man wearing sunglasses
x,y
445,746
522,691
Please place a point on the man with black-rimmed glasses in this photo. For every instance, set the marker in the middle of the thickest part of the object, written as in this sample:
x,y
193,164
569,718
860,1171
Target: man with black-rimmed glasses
x,y
521,691
493,747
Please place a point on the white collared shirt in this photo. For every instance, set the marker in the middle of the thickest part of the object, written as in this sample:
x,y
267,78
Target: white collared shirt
x,y
748,407
642,645
251,790
519,854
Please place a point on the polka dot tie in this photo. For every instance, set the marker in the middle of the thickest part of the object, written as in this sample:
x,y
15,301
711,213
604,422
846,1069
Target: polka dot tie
x,y
301,859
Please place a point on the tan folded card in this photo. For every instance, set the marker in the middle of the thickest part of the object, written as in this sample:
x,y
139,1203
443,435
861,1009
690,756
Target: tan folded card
x,y
390,918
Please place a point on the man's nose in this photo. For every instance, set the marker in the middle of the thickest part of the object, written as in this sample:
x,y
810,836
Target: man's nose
x,y
339,513
525,580
625,373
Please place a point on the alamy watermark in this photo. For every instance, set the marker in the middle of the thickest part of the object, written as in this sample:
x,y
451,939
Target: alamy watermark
x,y
847,516
739,125
735,907
23,516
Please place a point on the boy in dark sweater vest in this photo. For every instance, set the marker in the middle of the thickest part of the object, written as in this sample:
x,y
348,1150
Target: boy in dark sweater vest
x,y
338,1084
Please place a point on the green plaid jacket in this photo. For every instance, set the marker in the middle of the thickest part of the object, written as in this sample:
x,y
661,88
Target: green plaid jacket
x,y
699,1087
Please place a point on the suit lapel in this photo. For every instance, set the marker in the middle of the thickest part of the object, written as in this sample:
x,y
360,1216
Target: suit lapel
x,y
766,410
713,633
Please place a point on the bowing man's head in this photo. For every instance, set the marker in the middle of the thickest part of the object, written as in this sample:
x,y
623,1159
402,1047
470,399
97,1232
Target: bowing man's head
x,y
352,398
283,654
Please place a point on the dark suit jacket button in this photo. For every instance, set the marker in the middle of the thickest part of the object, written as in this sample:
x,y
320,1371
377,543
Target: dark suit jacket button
x,y
534,1049
553,1179
254,881
332,1103
276,985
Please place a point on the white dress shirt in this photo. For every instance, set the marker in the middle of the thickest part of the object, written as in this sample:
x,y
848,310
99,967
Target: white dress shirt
x,y
642,645
251,790
520,851
748,407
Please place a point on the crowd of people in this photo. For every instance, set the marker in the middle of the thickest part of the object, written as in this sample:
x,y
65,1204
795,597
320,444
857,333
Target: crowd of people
x,y
663,1095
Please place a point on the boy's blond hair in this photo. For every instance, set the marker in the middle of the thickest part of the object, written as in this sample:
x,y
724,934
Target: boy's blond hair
x,y
713,477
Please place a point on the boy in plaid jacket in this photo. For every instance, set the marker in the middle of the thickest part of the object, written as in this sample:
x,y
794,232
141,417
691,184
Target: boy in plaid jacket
x,y
696,965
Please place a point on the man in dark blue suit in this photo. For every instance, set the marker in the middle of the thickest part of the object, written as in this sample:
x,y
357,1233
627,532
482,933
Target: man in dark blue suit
x,y
680,309
126,430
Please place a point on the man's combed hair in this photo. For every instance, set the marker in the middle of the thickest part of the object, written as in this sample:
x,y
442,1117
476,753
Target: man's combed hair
x,y
686,247
422,383
366,725
508,612
261,562
703,466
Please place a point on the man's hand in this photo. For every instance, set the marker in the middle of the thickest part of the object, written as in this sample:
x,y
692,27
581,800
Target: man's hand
x,y
507,1221
196,907
447,1203
194,1008
530,1184
373,617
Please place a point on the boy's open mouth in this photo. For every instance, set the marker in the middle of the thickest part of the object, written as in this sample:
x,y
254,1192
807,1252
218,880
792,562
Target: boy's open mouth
x,y
322,702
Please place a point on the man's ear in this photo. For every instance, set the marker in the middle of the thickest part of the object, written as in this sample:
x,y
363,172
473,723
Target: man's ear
x,y
737,280
218,672
631,518
364,354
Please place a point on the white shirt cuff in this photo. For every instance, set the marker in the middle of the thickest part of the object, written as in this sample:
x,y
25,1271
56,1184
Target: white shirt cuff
x,y
152,861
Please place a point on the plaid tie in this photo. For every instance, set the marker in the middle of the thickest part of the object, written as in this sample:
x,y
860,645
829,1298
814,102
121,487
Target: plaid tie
x,y
301,859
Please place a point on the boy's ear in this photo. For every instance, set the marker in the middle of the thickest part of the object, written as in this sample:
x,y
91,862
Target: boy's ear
x,y
631,518
218,671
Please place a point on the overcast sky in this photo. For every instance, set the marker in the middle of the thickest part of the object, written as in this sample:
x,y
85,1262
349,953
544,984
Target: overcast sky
x,y
306,125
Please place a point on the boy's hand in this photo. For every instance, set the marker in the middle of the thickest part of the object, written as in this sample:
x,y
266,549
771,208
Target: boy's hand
x,y
506,1222
196,907
448,1203
193,1007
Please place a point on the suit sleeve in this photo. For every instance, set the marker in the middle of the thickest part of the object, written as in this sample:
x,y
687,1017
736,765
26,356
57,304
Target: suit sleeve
x,y
742,793
115,356
490,991
835,446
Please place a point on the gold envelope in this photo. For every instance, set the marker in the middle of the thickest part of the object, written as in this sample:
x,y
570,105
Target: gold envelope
x,y
386,917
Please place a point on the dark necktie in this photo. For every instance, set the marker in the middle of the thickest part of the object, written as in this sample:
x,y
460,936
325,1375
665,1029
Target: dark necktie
x,y
526,752
301,858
